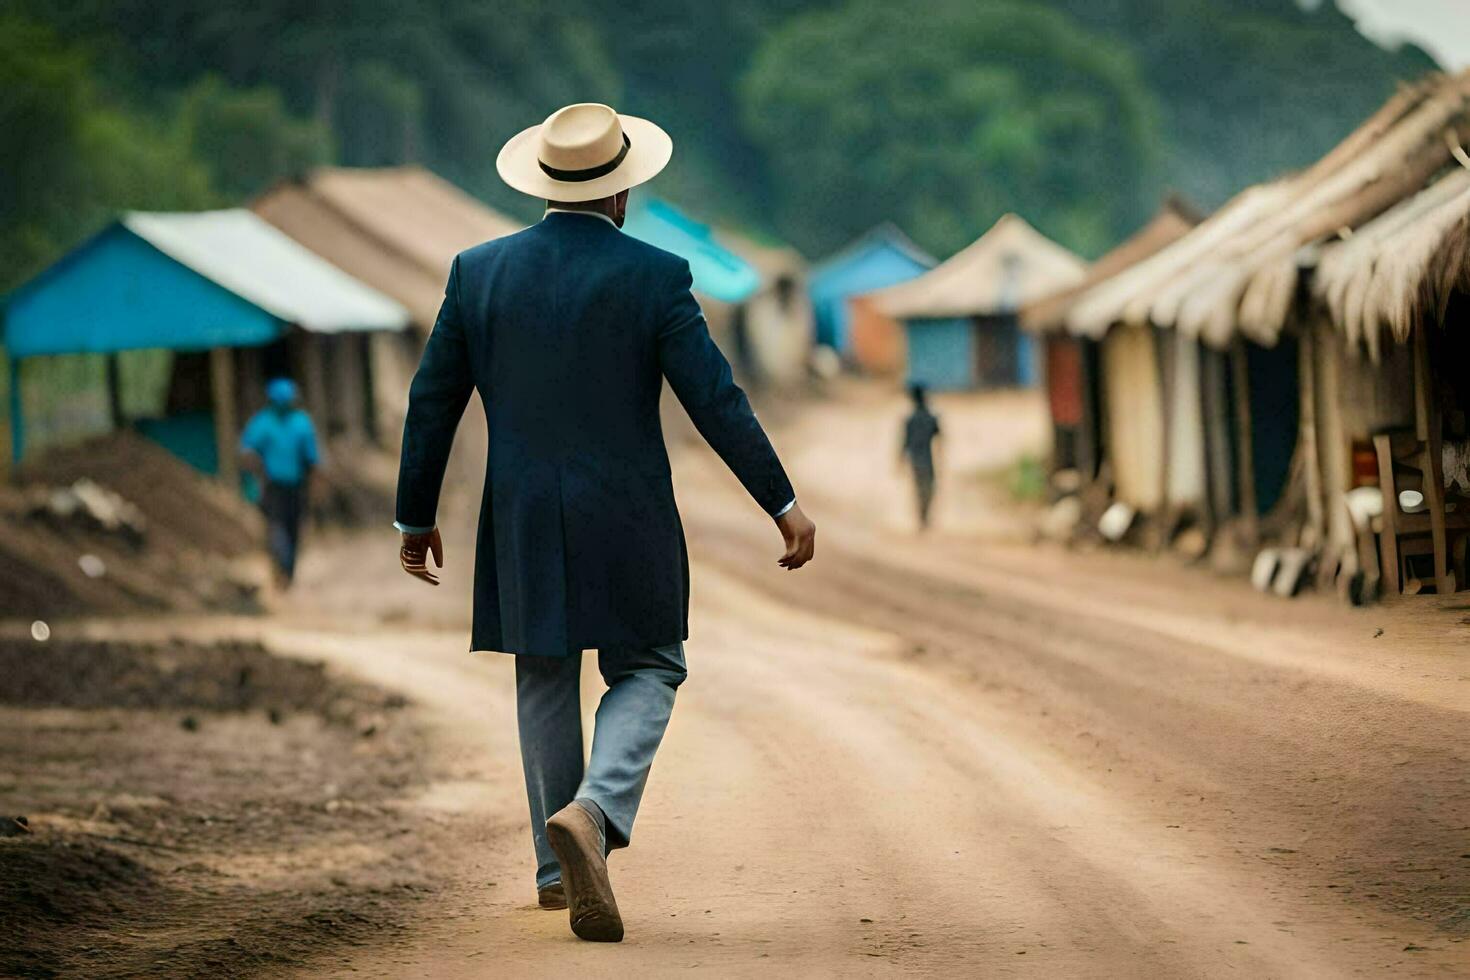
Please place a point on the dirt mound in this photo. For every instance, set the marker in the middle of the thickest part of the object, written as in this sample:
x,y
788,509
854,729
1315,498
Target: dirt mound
x,y
227,676
200,810
185,509
72,901
118,524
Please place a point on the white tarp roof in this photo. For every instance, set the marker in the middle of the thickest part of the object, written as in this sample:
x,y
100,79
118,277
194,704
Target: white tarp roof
x,y
242,253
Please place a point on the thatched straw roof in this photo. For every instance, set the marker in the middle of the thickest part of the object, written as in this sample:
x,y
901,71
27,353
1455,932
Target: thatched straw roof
x,y
1392,271
420,212
1009,266
1239,270
1130,296
396,229
1173,219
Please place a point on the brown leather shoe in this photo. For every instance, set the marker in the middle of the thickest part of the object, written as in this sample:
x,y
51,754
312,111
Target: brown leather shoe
x,y
574,836
553,896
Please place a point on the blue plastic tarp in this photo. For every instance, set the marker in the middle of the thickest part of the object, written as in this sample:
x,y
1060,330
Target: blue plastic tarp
x,y
117,292
882,257
188,281
718,272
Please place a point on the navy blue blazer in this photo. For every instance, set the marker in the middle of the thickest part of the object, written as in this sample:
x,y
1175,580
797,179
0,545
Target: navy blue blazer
x,y
568,330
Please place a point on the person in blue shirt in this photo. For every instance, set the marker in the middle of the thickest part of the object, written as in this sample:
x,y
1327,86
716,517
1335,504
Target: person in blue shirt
x,y
279,443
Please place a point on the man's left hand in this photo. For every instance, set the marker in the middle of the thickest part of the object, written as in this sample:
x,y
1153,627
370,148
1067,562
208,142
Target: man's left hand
x,y
414,553
800,535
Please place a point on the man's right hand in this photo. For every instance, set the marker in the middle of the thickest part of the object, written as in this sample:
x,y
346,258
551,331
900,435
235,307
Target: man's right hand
x,y
413,555
801,538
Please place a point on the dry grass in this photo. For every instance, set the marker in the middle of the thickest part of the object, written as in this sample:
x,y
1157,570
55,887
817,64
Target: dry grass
x,y
1239,271
1401,267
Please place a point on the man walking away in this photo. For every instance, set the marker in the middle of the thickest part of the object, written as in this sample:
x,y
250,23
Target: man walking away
x,y
920,431
568,330
279,444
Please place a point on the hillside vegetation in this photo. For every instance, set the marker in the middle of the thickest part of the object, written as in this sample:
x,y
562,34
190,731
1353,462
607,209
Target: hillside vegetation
x,y
806,120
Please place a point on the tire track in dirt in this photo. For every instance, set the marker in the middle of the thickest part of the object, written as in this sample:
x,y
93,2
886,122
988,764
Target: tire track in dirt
x,y
1341,795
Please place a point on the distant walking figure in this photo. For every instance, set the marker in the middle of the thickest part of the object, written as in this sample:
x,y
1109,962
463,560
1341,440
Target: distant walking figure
x,y
568,330
279,443
920,430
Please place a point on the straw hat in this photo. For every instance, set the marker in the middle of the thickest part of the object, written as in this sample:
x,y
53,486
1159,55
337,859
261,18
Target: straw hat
x,y
584,152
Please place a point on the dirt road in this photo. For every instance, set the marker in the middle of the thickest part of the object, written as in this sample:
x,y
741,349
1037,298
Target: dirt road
x,y
950,755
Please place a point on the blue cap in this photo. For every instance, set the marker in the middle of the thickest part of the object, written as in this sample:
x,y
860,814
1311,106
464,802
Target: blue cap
x,y
281,392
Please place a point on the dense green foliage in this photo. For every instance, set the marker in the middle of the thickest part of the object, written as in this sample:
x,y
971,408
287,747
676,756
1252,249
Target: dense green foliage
x,y
68,157
963,114
1249,88
810,119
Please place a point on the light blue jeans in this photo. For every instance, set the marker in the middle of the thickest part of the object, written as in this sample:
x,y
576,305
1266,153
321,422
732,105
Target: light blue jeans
x,y
631,718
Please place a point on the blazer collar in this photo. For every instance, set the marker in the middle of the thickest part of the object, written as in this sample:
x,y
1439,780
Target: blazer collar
x,y
580,214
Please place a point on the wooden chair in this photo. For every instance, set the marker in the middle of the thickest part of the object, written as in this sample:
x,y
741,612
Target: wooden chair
x,y
1405,462
1412,460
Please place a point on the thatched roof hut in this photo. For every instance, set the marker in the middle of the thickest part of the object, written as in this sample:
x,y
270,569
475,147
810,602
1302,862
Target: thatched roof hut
x,y
1129,296
1401,266
1006,268
395,228
1174,218
778,325
1240,269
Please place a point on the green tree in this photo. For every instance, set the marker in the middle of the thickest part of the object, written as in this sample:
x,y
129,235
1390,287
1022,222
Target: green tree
x,y
1077,113
381,119
247,137
945,120
1250,89
445,81
70,159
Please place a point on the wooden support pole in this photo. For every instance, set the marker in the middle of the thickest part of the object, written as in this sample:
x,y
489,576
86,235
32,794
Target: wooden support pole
x,y
17,415
1165,354
1164,521
10,421
1429,422
114,390
1316,529
1245,453
1388,540
1094,418
226,429
1340,555
313,379
369,395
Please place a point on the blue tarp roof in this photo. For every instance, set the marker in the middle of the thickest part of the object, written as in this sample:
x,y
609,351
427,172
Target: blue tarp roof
x,y
718,272
886,237
881,257
187,282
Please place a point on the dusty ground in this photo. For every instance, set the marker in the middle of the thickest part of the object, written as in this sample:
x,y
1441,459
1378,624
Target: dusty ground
x,y
948,755
199,809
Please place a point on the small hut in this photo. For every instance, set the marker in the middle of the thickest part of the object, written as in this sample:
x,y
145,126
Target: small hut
x,y
1259,285
397,229
1213,461
1071,363
723,281
216,289
848,323
774,328
1396,293
960,317
1245,283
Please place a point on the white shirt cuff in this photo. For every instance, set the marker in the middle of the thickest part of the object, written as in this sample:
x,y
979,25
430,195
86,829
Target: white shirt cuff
x,y
416,530
783,510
